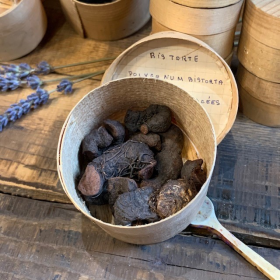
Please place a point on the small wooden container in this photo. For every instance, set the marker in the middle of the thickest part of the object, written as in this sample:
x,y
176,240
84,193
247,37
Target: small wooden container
x,y
206,3
195,21
263,90
188,63
22,28
111,101
259,99
110,21
257,110
258,58
222,43
262,21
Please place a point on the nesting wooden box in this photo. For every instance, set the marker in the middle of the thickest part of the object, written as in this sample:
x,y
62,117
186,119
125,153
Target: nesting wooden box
x,y
213,22
259,54
109,21
22,27
112,100
167,68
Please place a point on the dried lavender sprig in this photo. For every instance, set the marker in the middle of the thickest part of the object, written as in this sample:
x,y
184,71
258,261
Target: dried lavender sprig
x,y
40,97
17,110
23,70
66,85
12,82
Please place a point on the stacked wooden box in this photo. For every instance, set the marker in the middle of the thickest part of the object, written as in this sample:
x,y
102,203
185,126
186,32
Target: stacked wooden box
x,y
258,75
213,22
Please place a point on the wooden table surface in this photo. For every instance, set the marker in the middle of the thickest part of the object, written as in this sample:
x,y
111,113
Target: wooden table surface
x,y
44,237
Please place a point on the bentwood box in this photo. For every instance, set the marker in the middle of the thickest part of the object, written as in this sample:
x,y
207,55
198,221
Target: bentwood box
x,y
169,69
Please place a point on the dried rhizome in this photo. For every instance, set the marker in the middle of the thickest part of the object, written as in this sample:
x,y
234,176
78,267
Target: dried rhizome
x,y
137,168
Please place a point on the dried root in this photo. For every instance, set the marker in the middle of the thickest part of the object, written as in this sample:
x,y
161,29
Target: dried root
x,y
169,160
95,142
156,118
116,129
125,160
133,207
118,186
193,173
151,139
172,197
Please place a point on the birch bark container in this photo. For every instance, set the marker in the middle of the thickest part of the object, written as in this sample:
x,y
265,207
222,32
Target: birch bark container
x,y
112,100
110,21
222,43
195,21
22,27
259,99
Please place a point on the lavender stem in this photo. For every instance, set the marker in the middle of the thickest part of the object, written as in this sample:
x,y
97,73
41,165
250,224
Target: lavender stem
x,y
89,76
83,63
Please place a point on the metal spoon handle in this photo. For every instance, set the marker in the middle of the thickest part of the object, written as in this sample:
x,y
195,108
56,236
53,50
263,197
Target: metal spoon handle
x,y
251,256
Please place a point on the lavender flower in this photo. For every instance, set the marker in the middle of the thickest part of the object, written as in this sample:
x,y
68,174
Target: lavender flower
x,y
22,70
10,82
43,68
34,81
66,86
17,110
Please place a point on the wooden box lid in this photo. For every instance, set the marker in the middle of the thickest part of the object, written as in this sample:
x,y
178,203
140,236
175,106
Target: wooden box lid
x,y
188,63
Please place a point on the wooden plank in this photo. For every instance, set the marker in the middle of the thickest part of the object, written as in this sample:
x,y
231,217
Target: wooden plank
x,y
43,240
245,186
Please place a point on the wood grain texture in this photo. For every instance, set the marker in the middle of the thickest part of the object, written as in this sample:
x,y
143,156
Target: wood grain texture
x,y
245,187
258,58
262,20
222,43
43,240
255,109
206,3
260,89
193,20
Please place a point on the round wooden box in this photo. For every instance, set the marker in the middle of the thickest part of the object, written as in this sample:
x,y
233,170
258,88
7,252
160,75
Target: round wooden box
x,y
110,21
188,63
258,58
259,99
195,21
262,21
22,28
112,100
222,43
206,3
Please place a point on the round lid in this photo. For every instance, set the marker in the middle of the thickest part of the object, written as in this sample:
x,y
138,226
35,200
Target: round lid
x,y
188,63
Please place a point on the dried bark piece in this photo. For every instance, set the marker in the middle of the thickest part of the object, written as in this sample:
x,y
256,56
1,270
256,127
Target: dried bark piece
x,y
173,196
116,129
134,206
124,160
169,159
151,139
156,118
192,172
92,181
118,186
95,141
